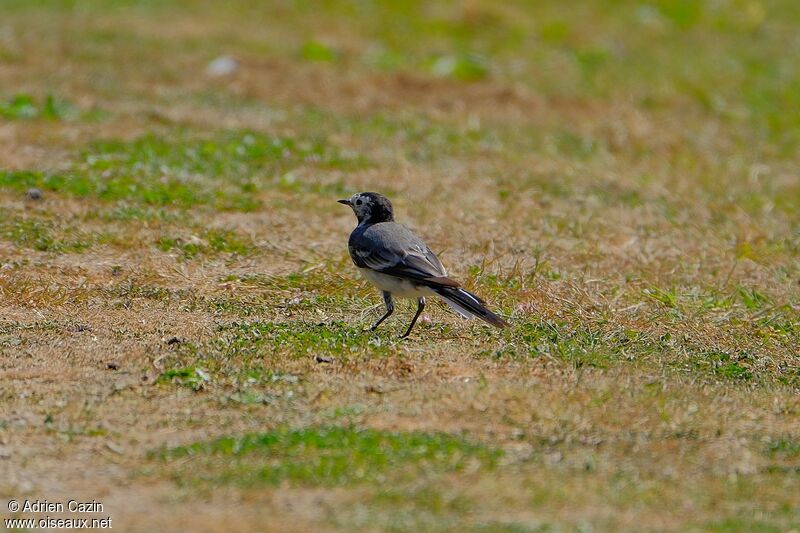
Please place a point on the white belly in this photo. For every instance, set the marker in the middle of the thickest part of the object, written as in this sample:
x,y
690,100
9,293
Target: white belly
x,y
398,287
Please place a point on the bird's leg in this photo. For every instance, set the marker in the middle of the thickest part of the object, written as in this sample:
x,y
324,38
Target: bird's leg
x,y
420,307
387,299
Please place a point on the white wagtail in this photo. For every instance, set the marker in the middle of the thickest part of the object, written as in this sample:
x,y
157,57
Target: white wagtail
x,y
400,264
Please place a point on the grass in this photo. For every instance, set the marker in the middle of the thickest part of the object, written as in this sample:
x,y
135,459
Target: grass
x,y
192,377
226,173
212,241
41,235
296,338
787,447
617,179
333,456
24,106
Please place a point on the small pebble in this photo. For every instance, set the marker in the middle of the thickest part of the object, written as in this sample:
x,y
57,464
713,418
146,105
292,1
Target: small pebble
x,y
34,194
114,447
222,66
294,301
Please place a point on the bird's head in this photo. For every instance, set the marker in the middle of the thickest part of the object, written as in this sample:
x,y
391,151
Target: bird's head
x,y
370,207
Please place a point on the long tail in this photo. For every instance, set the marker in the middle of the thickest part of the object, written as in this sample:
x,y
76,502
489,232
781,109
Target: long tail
x,y
468,305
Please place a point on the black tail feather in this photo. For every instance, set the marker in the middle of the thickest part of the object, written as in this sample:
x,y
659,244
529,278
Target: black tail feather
x,y
468,304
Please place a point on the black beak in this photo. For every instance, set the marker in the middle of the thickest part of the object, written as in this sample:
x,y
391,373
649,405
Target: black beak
x,y
345,202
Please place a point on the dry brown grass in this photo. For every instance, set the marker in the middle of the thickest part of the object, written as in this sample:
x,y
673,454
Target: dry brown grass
x,y
643,241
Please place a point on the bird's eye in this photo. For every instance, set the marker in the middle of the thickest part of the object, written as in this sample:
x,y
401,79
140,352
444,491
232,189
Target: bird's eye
x,y
358,202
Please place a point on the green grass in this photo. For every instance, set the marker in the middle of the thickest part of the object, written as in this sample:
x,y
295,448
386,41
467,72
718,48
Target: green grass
x,y
580,347
210,242
192,377
297,339
227,172
726,365
733,525
251,354
45,235
428,507
317,51
787,447
24,106
329,456
124,212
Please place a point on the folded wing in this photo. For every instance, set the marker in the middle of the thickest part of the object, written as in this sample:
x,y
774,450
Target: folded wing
x,y
390,248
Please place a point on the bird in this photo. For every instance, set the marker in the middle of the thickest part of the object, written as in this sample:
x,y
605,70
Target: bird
x,y
400,264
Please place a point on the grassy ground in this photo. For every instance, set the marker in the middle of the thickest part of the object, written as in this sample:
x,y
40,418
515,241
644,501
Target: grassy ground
x,y
182,333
